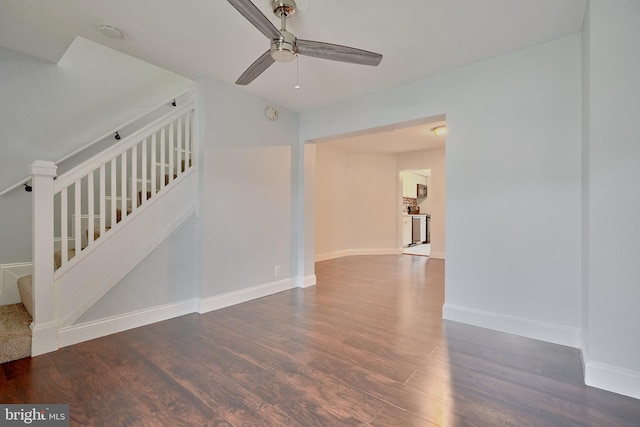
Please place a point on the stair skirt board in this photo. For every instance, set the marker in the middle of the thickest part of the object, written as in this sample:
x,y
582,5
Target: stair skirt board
x,y
175,207
75,334
15,333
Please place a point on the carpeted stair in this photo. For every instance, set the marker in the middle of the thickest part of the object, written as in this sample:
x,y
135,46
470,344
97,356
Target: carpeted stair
x,y
15,333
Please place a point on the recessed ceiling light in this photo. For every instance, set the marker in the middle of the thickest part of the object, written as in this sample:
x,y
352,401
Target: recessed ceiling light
x,y
440,130
110,31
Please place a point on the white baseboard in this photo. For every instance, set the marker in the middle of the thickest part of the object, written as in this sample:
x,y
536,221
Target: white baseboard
x,y
556,334
436,255
44,338
331,255
612,378
354,252
237,297
87,331
308,281
375,251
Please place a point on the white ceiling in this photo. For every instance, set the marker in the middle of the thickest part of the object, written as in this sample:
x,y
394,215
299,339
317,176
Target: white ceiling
x,y
418,38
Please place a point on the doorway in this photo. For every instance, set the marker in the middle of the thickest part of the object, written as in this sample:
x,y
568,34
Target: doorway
x,y
351,220
416,211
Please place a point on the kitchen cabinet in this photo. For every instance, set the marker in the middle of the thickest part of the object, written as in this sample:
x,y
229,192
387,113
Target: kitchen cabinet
x,y
410,183
406,177
406,230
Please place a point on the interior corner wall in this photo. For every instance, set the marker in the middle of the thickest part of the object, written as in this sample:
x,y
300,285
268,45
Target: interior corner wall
x,y
436,161
513,184
304,213
613,108
246,191
332,207
586,82
356,205
372,206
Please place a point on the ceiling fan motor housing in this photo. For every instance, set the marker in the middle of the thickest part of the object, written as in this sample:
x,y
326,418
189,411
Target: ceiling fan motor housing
x,y
283,7
284,49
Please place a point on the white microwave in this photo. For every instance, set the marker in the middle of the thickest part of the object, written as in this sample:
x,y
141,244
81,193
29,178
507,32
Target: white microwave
x,y
422,190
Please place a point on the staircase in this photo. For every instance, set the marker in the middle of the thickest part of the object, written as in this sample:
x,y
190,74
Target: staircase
x,y
93,224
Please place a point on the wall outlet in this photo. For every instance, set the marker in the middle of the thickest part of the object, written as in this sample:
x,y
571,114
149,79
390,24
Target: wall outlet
x,y
276,271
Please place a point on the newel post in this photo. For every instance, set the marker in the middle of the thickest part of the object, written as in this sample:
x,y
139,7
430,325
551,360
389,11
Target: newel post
x,y
44,326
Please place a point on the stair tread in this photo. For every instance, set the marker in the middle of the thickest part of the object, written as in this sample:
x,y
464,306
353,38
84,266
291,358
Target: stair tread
x,y
15,333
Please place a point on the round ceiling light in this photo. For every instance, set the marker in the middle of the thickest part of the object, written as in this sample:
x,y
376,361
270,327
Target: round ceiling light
x,y
110,31
440,130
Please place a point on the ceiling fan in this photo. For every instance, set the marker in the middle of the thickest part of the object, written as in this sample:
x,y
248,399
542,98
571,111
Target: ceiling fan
x,y
285,46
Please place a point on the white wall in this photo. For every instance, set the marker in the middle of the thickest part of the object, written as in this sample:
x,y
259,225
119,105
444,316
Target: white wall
x,y
373,202
356,203
167,276
50,110
333,209
512,237
513,193
246,191
436,161
612,110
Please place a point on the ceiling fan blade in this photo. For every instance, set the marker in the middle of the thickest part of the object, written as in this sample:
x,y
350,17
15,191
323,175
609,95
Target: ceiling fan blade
x,y
336,52
257,18
256,69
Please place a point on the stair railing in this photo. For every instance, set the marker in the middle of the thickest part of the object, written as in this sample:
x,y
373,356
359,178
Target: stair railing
x,y
79,209
131,123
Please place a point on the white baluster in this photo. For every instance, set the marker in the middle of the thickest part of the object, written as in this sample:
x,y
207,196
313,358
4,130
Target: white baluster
x,y
143,172
90,208
134,178
114,190
64,233
103,200
163,172
77,229
187,140
179,145
123,184
171,146
153,163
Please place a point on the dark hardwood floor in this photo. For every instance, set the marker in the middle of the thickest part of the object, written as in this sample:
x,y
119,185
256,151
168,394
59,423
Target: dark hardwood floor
x,y
366,346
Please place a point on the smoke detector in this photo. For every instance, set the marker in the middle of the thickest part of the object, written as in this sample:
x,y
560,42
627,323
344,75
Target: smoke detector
x,y
110,31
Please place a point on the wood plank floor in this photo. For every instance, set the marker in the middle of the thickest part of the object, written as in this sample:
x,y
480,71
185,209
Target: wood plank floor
x,y
366,346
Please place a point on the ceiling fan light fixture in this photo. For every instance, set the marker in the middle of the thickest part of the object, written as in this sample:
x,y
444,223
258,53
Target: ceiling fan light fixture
x,y
440,130
284,48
